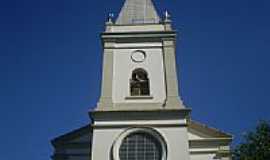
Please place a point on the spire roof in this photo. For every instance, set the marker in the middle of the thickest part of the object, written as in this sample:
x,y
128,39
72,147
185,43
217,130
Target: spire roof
x,y
138,12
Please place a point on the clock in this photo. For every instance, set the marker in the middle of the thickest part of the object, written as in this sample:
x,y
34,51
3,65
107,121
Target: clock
x,y
138,56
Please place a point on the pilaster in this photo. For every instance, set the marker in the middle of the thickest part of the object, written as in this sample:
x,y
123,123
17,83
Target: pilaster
x,y
173,100
224,153
107,77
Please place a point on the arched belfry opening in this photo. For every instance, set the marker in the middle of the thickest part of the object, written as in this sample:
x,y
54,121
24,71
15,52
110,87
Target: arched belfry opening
x,y
139,83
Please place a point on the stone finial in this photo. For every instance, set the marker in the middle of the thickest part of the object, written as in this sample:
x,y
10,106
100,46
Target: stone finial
x,y
110,18
167,17
167,21
109,23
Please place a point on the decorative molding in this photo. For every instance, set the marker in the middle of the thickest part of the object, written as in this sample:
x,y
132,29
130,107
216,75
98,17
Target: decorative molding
x,y
138,97
157,125
147,114
131,47
133,35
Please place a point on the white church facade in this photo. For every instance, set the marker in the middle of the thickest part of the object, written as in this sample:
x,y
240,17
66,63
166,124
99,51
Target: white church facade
x,y
140,115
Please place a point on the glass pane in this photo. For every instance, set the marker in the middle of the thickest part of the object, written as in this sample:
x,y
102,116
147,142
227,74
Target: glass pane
x,y
140,146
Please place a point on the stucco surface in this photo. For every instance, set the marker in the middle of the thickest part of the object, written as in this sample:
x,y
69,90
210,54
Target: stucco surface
x,y
122,72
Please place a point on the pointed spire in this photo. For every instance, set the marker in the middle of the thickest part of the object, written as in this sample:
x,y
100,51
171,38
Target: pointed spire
x,y
138,12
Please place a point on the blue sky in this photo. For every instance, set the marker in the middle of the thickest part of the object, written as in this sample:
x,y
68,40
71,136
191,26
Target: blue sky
x,y
50,64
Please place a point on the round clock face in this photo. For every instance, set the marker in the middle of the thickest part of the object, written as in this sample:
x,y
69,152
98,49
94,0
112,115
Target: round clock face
x,y
138,56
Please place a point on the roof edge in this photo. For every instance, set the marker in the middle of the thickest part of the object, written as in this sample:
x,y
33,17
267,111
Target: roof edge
x,y
221,134
71,135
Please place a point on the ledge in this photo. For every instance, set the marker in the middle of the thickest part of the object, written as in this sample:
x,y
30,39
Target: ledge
x,y
114,36
138,97
115,114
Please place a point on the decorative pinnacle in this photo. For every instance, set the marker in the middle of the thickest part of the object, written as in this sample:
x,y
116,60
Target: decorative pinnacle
x,y
110,18
167,16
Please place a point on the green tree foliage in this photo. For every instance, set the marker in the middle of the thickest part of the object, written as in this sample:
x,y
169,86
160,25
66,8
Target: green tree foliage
x,y
256,145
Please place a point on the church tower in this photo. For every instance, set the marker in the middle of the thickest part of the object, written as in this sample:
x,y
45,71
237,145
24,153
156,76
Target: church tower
x,y
139,60
140,115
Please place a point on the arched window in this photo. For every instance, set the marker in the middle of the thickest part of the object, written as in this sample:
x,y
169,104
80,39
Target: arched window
x,y
140,146
139,83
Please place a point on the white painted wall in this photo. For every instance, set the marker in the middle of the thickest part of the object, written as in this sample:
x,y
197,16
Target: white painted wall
x,y
177,142
137,28
123,67
192,136
175,138
103,140
142,122
203,157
